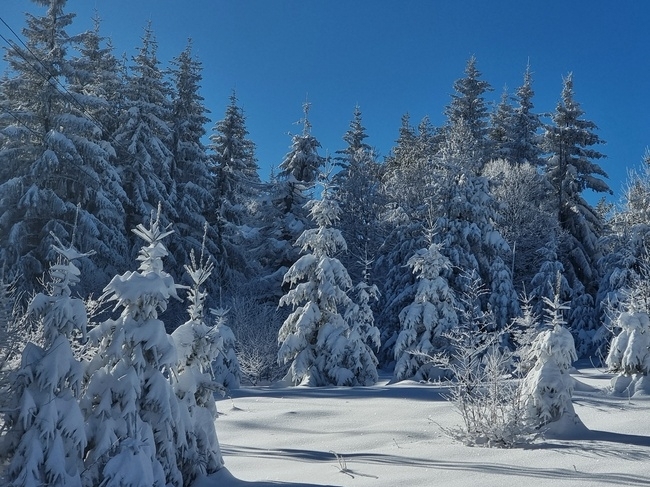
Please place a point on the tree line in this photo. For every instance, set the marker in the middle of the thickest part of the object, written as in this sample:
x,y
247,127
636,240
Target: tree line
x,y
486,208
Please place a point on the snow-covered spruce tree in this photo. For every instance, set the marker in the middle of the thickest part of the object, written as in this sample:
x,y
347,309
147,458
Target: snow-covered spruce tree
x,y
53,157
548,387
514,129
626,245
549,279
469,108
315,338
190,169
46,434
408,174
524,140
234,170
99,75
144,139
234,165
499,131
197,346
363,337
360,198
467,224
225,366
286,216
424,322
525,329
132,413
398,282
571,169
629,352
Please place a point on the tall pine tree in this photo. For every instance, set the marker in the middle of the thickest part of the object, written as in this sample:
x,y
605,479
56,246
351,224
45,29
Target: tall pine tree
x,y
571,170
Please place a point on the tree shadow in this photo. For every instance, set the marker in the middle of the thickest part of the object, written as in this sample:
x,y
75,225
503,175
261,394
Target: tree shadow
x,y
355,463
223,478
597,443
402,390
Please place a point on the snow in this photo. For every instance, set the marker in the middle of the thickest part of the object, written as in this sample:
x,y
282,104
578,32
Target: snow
x,y
390,435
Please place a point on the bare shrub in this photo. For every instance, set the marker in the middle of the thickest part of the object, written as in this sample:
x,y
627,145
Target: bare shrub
x,y
485,392
255,325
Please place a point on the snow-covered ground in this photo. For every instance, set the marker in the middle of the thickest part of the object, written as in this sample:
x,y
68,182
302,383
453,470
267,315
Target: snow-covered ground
x,y
390,436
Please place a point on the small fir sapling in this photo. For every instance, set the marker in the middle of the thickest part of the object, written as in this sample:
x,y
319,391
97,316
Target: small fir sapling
x,y
46,434
548,387
130,405
197,346
525,329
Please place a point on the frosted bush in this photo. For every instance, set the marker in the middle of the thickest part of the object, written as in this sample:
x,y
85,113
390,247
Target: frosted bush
x,y
629,352
485,393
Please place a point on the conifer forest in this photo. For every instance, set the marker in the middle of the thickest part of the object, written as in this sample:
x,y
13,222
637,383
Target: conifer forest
x,y
147,267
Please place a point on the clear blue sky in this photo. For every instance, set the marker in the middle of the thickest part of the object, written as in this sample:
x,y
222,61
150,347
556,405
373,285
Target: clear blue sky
x,y
392,57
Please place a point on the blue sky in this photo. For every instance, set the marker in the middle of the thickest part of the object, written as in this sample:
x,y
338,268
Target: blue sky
x,y
392,57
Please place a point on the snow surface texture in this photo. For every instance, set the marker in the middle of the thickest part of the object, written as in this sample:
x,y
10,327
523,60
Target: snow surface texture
x,y
388,435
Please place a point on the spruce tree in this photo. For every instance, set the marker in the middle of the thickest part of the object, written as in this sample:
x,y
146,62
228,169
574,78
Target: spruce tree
x,y
144,138
234,165
289,194
197,345
316,338
46,434
468,106
234,172
467,225
500,130
524,144
191,164
133,417
358,192
571,170
431,314
53,157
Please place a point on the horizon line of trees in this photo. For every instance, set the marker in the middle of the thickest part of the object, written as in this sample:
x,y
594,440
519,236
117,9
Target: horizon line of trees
x,y
90,144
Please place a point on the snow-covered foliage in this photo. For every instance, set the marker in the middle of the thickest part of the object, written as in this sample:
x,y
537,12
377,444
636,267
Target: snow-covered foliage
x,y
468,107
52,158
547,387
526,220
549,280
234,172
225,365
129,401
316,338
255,324
46,436
571,169
431,314
629,352
363,337
197,346
484,390
190,170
